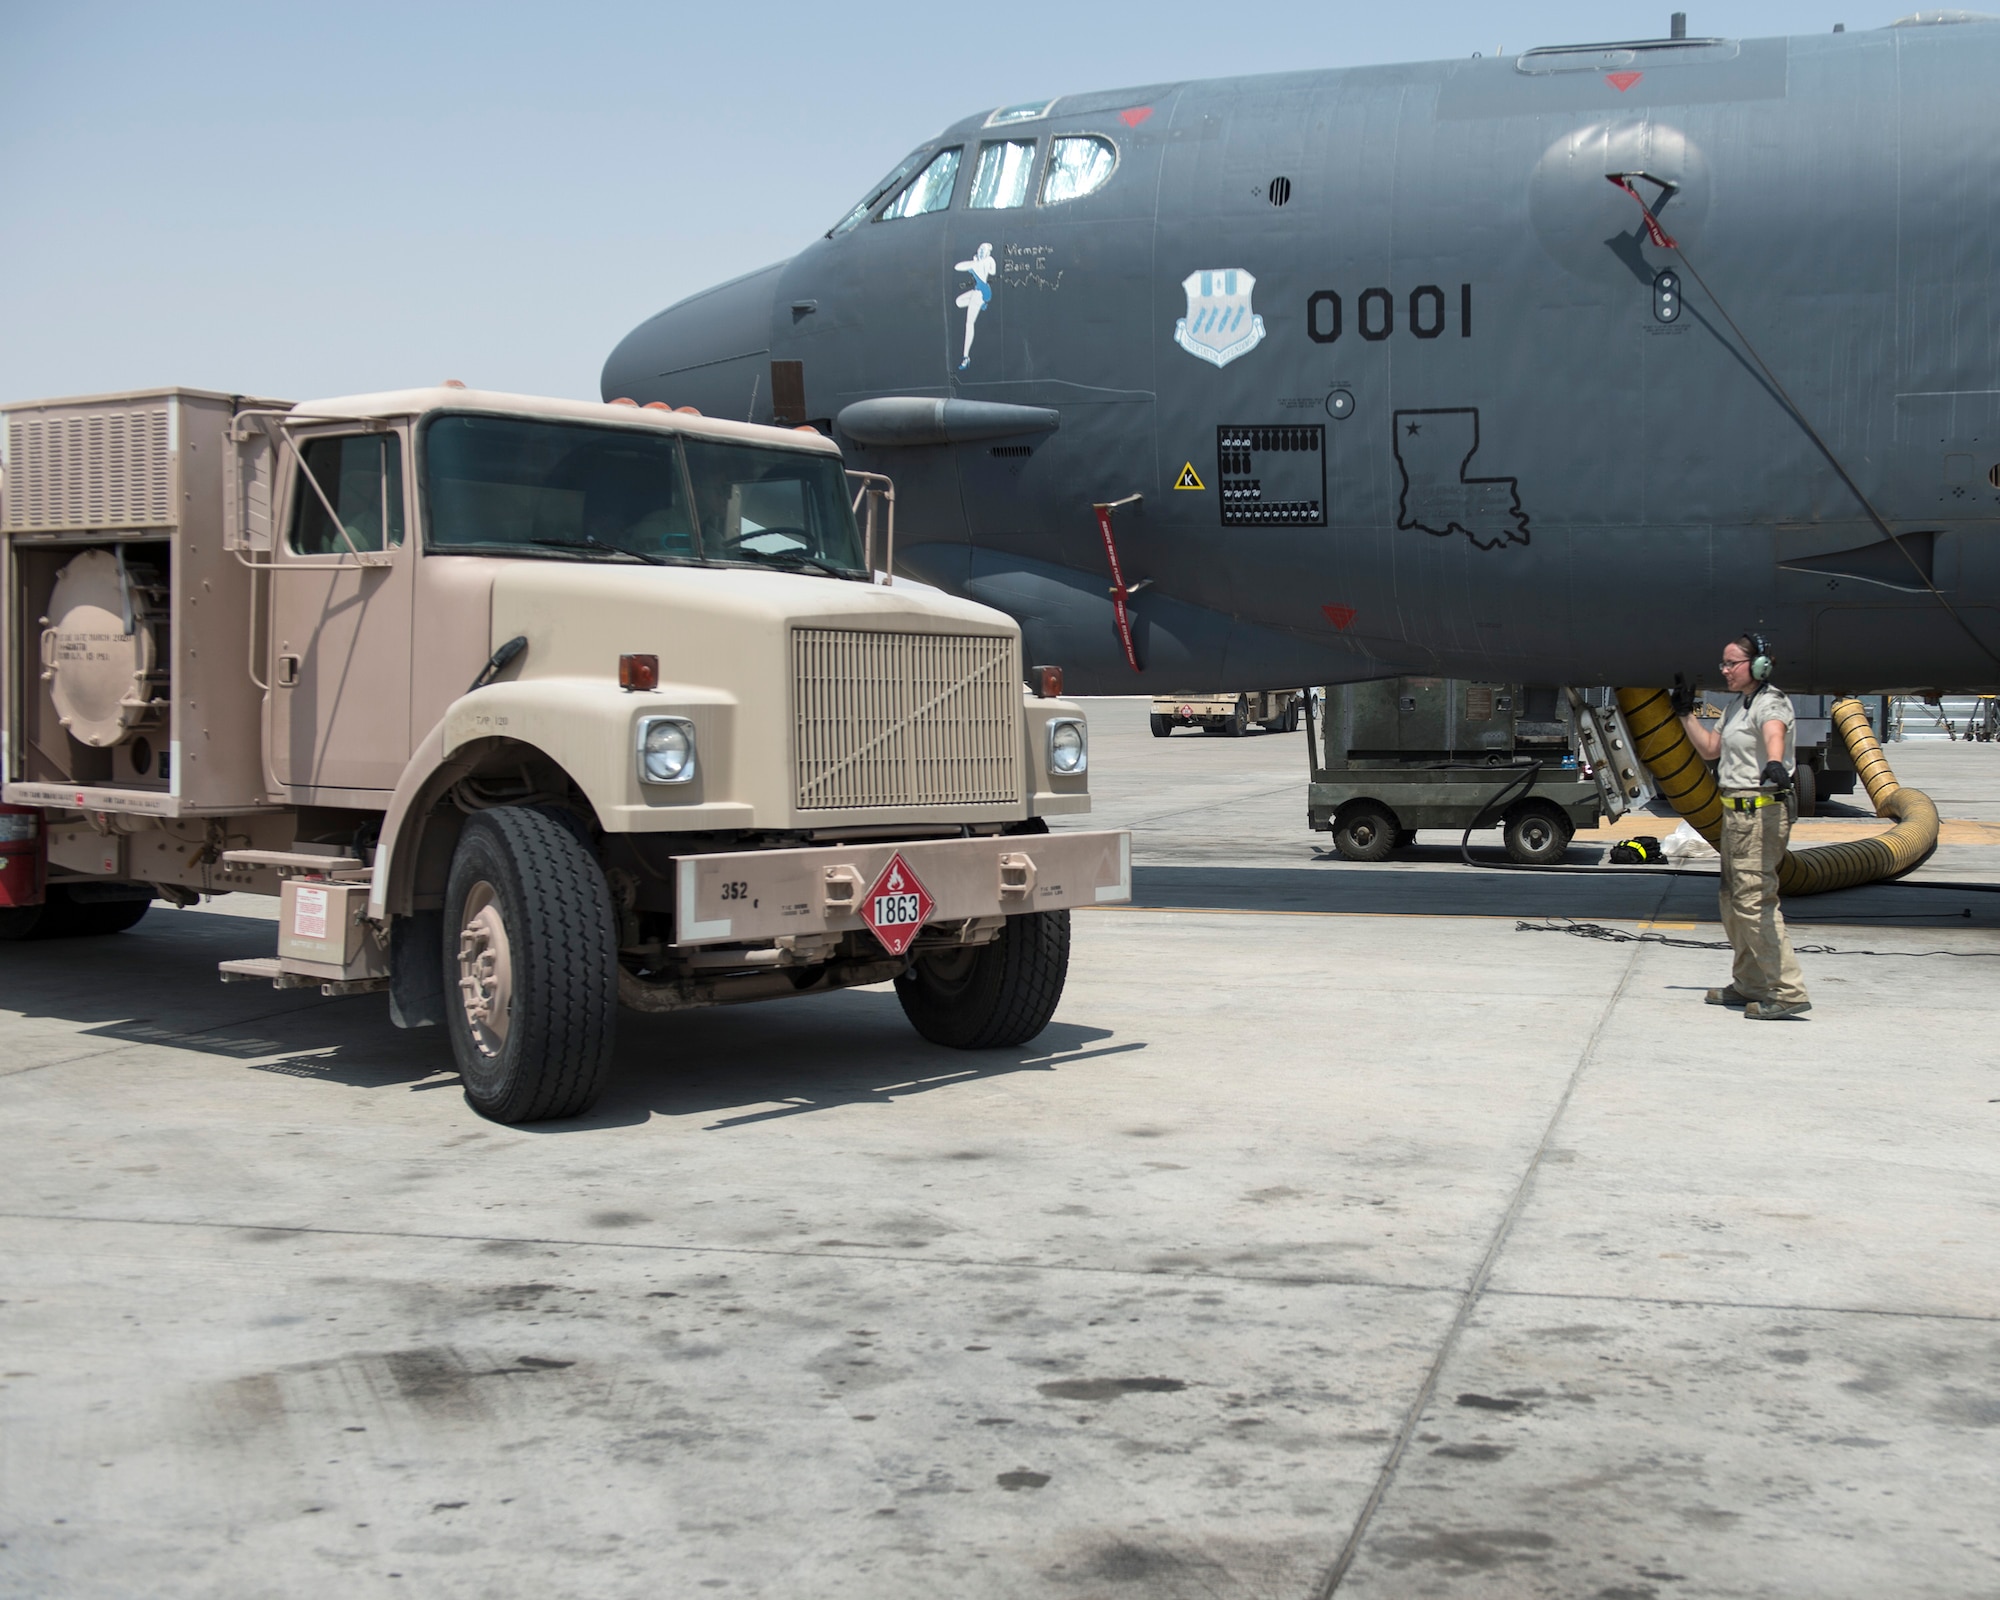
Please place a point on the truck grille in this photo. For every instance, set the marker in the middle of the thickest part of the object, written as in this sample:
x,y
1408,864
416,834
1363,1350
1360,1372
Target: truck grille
x,y
906,719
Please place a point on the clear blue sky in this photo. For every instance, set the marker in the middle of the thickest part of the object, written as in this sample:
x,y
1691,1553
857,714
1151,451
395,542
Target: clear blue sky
x,y
315,199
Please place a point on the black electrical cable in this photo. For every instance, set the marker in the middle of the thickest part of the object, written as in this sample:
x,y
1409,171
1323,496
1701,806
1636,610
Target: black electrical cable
x,y
1597,930
1660,236
1534,772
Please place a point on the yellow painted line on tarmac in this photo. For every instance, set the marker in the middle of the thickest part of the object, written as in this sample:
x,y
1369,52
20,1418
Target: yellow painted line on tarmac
x,y
1813,830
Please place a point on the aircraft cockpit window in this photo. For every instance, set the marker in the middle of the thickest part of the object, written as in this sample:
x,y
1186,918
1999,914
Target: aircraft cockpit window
x,y
1026,111
1079,164
1000,181
930,190
859,214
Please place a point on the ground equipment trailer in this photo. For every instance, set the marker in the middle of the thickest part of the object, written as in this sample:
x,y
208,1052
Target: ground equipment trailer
x,y
525,708
1390,757
1227,712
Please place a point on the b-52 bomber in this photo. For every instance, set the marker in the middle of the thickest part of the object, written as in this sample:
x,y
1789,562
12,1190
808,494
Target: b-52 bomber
x,y
1551,368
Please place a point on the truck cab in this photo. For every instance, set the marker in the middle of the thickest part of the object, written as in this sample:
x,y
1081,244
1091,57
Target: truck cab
x,y
529,708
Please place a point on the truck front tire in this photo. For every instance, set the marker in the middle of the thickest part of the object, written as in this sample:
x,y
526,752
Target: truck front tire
x,y
983,997
1162,726
530,968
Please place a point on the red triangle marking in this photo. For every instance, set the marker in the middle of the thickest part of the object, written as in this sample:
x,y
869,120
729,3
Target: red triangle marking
x,y
1135,116
1339,616
1621,81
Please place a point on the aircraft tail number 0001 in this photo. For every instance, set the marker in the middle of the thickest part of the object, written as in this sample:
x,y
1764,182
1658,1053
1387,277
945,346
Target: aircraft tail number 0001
x,y
1375,313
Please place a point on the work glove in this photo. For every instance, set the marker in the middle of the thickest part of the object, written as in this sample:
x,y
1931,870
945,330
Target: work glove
x,y
1775,778
1682,696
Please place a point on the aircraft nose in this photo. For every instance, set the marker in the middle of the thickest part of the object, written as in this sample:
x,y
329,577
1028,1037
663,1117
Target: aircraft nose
x,y
711,351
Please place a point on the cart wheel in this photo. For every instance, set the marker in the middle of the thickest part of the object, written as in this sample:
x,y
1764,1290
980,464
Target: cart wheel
x,y
1537,833
1162,726
1365,831
1805,784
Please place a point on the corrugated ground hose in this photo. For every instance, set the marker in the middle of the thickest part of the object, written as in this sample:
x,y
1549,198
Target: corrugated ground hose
x,y
1688,785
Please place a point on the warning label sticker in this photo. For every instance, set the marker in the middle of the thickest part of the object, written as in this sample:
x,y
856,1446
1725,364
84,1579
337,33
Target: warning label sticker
x,y
897,907
1189,478
309,913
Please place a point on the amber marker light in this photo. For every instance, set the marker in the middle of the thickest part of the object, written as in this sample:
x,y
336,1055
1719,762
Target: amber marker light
x,y
638,672
1050,682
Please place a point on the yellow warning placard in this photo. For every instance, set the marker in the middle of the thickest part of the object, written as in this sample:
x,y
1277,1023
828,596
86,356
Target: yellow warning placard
x,y
1189,478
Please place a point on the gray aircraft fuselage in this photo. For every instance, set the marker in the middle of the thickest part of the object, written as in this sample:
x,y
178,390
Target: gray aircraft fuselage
x,y
1404,383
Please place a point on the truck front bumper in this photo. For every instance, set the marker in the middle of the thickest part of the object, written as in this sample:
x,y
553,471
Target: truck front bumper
x,y
748,896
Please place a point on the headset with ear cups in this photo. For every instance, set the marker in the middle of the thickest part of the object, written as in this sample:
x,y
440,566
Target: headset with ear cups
x,y
1760,655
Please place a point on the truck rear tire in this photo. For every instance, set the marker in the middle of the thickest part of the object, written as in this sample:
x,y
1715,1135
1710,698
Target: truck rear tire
x,y
1537,833
530,968
18,922
983,997
64,917
1162,726
1365,830
1235,723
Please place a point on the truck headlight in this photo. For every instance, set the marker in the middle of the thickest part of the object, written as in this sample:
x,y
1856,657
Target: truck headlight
x,y
1069,747
666,750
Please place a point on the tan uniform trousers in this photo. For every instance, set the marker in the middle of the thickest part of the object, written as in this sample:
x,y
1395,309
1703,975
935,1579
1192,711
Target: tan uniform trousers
x,y
1753,843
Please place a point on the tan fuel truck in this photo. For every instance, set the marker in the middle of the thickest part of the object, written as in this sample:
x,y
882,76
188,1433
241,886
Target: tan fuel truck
x,y
1227,712
525,709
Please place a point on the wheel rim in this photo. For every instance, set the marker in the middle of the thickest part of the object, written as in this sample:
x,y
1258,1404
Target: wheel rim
x,y
1537,835
485,971
949,970
1362,832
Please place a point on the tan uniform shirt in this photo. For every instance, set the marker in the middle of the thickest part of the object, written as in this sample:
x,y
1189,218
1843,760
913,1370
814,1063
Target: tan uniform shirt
x,y
1742,762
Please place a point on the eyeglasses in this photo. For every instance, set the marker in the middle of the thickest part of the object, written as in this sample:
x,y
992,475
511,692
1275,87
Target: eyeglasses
x,y
1727,663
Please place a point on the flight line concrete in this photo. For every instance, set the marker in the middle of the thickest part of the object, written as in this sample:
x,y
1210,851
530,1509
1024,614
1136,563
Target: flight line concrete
x,y
1337,1237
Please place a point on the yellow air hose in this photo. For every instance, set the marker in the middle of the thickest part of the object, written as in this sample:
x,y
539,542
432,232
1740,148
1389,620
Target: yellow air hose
x,y
1688,785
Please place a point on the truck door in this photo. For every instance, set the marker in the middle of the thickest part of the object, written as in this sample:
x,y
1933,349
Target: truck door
x,y
340,617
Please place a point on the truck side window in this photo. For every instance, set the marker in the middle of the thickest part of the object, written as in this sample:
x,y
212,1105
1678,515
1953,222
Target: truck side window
x,y
1000,181
1079,164
362,475
929,190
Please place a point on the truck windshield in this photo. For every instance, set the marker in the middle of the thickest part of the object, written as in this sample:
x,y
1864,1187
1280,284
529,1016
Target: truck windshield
x,y
574,491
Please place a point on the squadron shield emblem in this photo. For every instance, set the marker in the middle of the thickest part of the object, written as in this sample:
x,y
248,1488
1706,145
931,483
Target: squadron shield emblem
x,y
1219,325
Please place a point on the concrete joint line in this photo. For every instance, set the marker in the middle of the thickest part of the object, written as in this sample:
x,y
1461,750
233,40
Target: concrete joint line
x,y
1473,1290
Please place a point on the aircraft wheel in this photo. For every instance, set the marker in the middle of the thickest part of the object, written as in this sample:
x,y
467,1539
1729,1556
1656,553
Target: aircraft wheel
x,y
982,997
1537,833
530,967
1162,726
1365,830
1805,784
